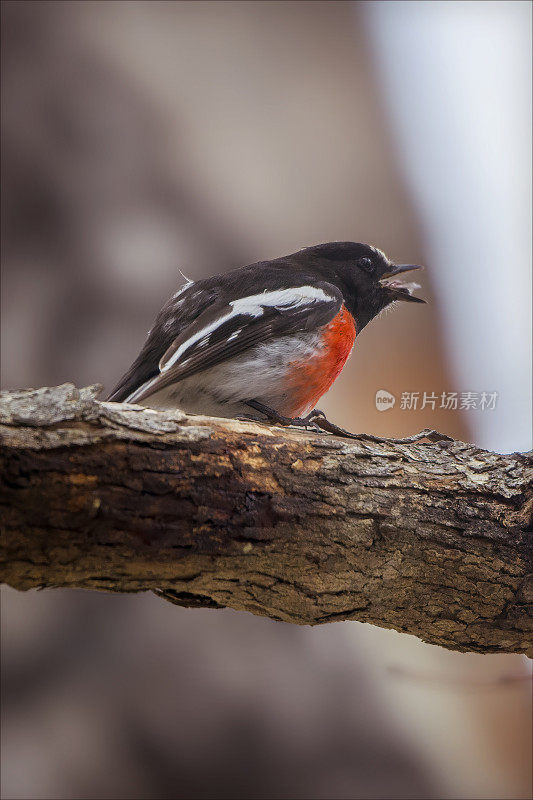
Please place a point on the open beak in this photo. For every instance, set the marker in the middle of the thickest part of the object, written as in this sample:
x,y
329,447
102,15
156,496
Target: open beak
x,y
399,290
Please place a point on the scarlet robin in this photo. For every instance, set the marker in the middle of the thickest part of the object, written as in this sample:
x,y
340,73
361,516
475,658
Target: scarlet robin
x,y
266,340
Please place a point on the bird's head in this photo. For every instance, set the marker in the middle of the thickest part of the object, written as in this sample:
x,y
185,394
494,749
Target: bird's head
x,y
369,280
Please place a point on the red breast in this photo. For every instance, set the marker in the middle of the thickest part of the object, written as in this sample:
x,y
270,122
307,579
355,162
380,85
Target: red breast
x,y
312,378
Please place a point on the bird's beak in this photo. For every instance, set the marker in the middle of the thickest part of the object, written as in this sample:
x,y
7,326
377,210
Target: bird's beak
x,y
399,290
398,269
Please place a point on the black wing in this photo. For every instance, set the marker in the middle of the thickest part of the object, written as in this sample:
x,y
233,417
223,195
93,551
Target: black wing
x,y
225,330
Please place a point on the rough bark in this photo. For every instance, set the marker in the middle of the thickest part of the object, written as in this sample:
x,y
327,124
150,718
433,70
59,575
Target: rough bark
x,y
433,539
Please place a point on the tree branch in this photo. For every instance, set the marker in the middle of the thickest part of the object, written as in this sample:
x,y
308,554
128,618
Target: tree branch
x,y
432,539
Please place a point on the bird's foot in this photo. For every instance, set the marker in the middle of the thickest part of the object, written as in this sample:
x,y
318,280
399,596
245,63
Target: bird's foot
x,y
320,420
276,418
317,421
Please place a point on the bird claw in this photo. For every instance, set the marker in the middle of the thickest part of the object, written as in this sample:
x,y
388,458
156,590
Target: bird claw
x,y
317,421
275,418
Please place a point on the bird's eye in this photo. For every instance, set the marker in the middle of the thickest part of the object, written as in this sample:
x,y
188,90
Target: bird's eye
x,y
365,263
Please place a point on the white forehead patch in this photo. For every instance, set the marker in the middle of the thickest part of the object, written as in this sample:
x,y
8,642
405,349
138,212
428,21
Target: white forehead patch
x,y
379,252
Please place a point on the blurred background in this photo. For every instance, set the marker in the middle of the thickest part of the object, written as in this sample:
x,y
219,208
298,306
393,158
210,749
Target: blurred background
x,y
144,138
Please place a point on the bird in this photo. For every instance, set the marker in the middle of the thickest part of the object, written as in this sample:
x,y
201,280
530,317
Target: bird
x,y
265,341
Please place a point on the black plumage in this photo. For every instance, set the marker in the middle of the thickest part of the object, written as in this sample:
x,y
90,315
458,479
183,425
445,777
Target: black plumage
x,y
206,322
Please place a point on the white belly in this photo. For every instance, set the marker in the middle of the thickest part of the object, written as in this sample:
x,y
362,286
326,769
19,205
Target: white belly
x,y
260,374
